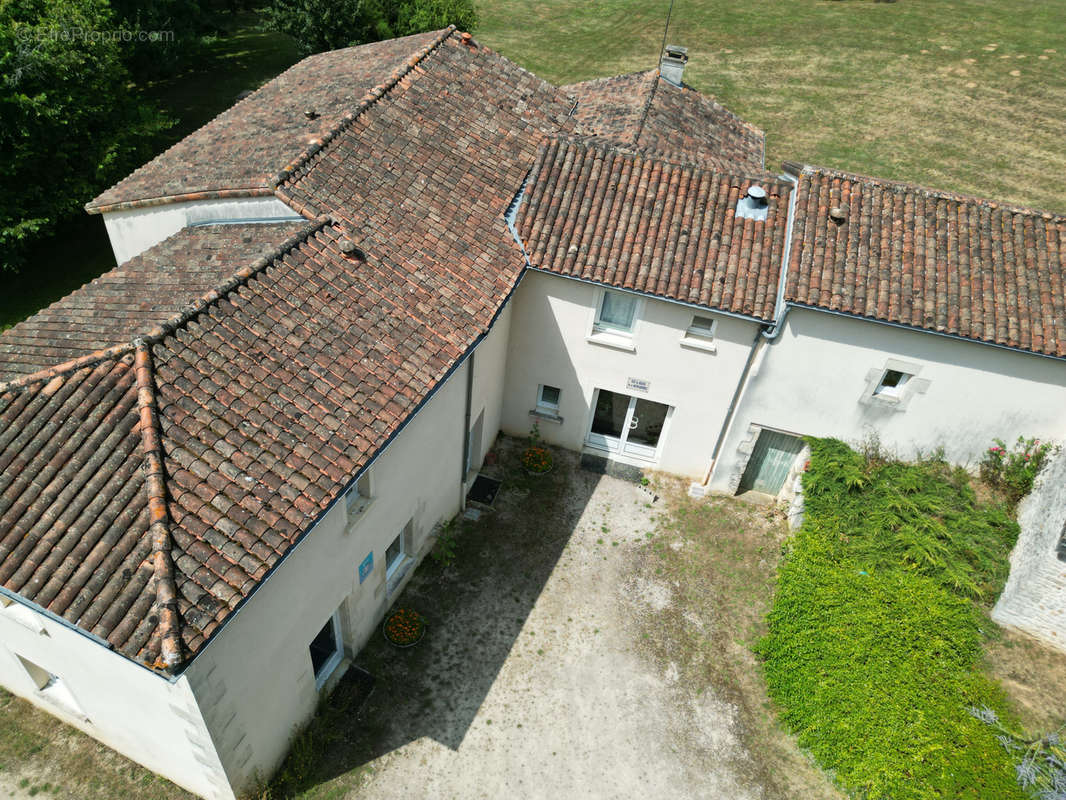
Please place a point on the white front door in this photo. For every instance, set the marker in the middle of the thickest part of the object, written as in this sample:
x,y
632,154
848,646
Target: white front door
x,y
628,425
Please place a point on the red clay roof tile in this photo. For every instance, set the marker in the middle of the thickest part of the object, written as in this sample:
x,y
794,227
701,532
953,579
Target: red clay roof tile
x,y
641,110
930,260
640,222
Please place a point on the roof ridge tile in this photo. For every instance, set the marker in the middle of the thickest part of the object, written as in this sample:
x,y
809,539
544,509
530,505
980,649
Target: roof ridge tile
x,y
374,94
932,192
166,588
191,311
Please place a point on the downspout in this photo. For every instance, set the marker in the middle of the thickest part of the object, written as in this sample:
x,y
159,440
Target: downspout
x,y
466,431
766,333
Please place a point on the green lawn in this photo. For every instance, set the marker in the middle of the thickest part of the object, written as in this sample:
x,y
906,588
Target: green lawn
x,y
243,58
966,95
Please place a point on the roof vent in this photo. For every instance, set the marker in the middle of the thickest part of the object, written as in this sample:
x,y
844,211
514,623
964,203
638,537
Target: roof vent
x,y
838,214
672,67
352,250
310,113
753,205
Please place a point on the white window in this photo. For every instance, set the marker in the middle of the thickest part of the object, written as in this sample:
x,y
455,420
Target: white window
x,y
327,650
700,334
358,496
395,554
702,328
398,558
617,313
892,383
548,400
51,688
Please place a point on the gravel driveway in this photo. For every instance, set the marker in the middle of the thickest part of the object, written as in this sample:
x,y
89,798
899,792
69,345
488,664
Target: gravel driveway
x,y
531,681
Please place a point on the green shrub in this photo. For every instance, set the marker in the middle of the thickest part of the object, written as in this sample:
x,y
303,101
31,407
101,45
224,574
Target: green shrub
x,y
874,640
1013,471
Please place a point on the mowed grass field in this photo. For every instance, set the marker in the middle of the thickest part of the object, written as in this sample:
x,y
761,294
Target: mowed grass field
x,y
964,95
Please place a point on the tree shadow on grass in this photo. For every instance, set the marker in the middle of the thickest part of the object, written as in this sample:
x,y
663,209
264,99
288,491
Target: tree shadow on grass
x,y
475,609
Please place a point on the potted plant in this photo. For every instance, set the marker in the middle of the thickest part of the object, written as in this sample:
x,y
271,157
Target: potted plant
x,y
537,459
404,627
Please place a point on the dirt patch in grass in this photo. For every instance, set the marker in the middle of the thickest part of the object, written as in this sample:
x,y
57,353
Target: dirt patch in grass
x,y
43,758
707,580
1032,674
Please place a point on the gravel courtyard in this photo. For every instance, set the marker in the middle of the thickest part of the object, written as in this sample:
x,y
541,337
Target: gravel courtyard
x,y
537,676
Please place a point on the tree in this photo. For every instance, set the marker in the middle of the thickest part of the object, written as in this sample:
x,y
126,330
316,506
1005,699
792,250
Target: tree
x,y
319,25
69,121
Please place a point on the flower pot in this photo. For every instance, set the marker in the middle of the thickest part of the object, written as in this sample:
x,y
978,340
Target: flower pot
x,y
538,460
403,644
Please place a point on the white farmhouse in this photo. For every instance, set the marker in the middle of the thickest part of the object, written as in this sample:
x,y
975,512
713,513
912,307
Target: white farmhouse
x,y
222,459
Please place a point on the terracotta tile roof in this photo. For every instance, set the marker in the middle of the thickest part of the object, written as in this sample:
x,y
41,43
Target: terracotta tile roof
x,y
646,223
73,507
242,150
642,110
138,295
930,260
250,413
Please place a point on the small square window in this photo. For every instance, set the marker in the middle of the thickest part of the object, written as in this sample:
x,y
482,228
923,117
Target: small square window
x,y
892,383
548,399
617,312
358,496
701,328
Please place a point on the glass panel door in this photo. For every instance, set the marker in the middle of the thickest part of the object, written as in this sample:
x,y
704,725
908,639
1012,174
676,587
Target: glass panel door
x,y
624,424
645,426
609,420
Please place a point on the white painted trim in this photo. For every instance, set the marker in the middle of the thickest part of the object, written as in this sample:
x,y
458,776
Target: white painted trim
x,y
338,654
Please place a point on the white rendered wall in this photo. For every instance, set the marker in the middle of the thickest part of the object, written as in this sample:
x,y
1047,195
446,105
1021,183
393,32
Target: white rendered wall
x,y
551,319
816,380
254,681
1034,599
136,712
135,230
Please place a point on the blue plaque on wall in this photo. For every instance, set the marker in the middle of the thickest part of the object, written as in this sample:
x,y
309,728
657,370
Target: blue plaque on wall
x,y
367,566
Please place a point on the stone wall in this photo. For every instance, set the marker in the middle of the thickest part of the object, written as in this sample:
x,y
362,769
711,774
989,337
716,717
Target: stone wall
x,y
1034,599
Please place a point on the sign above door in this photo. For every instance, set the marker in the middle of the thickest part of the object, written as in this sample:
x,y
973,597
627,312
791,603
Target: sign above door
x,y
638,384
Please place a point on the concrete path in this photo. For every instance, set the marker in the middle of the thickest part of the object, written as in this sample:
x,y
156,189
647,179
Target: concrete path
x,y
531,682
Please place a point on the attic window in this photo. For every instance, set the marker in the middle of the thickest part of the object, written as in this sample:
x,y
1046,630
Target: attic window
x,y
700,334
358,497
892,383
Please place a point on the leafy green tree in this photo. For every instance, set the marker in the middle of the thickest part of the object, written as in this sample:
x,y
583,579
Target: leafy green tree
x,y
319,25
164,34
69,121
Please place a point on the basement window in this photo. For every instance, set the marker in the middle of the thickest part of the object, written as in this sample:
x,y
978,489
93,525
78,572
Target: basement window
x,y
51,689
700,334
358,497
892,383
